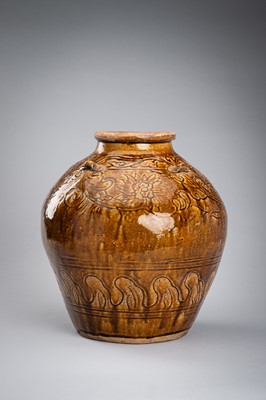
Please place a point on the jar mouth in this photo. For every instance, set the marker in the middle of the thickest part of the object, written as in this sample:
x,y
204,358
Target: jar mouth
x,y
134,137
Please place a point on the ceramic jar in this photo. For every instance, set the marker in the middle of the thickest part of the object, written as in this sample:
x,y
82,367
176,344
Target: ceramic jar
x,y
135,235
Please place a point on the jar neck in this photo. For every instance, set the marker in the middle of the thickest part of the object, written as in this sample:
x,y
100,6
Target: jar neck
x,y
134,143
117,148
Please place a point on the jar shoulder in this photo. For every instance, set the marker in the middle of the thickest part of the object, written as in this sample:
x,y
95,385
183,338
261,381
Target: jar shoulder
x,y
157,182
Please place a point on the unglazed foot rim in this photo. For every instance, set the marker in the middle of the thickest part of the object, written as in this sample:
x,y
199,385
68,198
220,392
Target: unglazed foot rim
x,y
127,340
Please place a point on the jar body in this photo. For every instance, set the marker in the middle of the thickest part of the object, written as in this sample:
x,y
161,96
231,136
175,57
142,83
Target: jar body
x,y
135,236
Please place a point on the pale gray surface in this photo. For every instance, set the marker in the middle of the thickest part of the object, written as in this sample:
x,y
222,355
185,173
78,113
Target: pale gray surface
x,y
68,68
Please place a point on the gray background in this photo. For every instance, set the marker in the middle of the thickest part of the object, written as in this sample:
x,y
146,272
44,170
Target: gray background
x,y
69,68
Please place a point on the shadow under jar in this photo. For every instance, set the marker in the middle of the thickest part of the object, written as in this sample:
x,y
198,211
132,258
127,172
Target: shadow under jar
x,y
135,235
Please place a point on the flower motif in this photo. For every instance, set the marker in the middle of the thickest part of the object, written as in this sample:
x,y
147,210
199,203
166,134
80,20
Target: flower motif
x,y
139,189
145,189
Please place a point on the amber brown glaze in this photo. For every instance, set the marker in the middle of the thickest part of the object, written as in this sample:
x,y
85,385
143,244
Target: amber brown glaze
x,y
135,236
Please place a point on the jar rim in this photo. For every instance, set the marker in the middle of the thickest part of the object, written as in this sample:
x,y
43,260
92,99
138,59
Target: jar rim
x,y
134,137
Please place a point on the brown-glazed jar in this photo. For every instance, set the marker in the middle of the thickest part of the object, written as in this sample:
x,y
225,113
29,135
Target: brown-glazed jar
x,y
135,235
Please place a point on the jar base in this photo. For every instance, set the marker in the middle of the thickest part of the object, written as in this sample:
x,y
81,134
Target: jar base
x,y
130,340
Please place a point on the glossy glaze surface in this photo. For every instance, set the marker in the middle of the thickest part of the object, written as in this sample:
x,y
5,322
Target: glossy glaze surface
x,y
135,236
